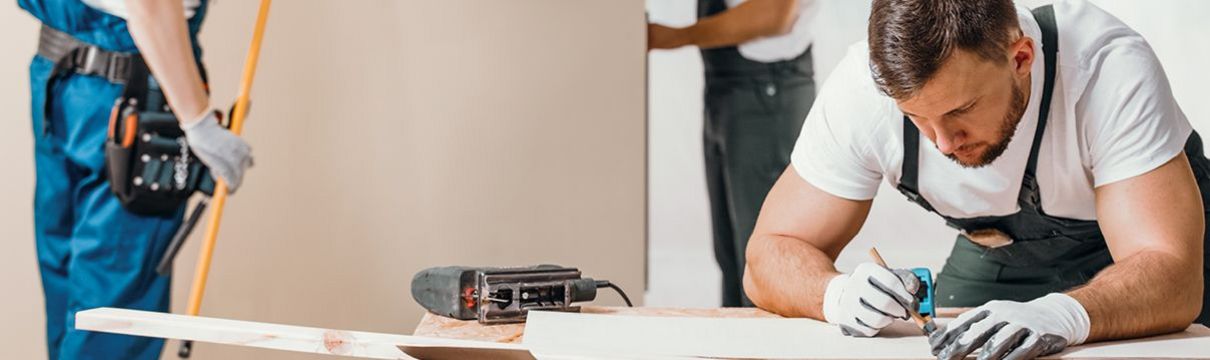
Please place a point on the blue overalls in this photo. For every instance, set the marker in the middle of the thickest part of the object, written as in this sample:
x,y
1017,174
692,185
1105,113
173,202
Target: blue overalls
x,y
91,252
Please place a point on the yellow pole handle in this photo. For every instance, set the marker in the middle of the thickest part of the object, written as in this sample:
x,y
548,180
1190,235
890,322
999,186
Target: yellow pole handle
x,y
220,188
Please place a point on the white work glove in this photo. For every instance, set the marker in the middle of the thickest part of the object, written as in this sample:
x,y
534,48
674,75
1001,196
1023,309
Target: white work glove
x,y
869,299
226,154
1014,330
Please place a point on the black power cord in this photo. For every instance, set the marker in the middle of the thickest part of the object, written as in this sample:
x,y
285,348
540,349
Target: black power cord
x,y
606,283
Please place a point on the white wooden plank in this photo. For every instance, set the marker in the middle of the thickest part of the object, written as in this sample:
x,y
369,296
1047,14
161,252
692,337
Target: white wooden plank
x,y
740,338
288,337
775,338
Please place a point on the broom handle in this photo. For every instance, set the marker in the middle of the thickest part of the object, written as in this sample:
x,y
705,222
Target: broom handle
x,y
220,190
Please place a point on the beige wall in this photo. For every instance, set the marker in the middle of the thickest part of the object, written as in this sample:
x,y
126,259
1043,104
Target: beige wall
x,y
391,136
21,302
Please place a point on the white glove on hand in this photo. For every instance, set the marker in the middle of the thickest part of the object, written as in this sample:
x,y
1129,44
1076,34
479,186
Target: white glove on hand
x,y
226,154
1014,330
869,299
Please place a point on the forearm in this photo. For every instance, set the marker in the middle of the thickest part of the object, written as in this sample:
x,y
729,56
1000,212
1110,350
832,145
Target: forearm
x,y
162,35
1147,293
787,276
747,21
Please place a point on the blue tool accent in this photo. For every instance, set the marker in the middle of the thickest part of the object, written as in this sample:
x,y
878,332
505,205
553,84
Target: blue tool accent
x,y
926,278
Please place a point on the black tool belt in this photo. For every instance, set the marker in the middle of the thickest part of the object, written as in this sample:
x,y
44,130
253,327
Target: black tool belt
x,y
150,167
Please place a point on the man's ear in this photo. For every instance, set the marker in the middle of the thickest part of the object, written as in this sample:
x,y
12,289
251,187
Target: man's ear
x,y
1023,56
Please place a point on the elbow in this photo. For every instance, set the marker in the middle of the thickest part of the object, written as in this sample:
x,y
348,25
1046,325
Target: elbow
x,y
1188,305
133,5
783,20
751,283
1193,306
783,26
141,9
1181,316
751,290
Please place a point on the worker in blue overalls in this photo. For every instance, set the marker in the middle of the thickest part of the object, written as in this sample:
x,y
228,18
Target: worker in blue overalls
x,y
92,251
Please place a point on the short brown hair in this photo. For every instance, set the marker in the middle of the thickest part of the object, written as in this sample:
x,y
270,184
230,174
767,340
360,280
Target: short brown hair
x,y
910,39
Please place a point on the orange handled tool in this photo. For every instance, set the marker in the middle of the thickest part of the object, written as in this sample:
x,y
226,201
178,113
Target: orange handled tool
x,y
220,188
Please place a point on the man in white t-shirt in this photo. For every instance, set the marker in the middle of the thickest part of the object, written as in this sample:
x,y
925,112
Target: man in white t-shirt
x,y
759,87
1049,138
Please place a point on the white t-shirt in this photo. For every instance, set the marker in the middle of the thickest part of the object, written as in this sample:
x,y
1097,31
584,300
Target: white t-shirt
x,y
786,46
1112,117
118,7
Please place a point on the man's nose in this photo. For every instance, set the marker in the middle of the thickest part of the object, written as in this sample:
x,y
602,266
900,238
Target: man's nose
x,y
948,138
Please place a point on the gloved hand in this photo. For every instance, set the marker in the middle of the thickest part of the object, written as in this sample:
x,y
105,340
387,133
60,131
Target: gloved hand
x,y
1014,330
869,299
226,154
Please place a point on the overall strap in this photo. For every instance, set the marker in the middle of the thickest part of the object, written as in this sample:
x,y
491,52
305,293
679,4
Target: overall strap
x,y
1045,16
909,181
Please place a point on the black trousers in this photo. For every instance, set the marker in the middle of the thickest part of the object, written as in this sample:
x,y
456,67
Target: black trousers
x,y
752,120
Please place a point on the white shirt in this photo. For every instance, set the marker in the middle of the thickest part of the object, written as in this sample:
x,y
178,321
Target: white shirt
x,y
118,7
786,46
1113,117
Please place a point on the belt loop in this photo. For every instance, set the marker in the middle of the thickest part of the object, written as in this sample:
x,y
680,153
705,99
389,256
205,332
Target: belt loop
x,y
46,102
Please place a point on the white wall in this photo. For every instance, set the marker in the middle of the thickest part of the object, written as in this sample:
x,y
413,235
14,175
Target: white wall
x,y
682,268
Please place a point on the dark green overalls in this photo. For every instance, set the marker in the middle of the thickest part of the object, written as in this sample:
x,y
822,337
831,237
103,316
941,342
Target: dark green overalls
x,y
753,114
1049,254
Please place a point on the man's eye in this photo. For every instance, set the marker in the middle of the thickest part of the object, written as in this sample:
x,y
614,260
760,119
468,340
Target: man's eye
x,y
970,108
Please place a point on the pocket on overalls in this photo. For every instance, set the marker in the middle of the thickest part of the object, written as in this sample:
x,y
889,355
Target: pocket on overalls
x,y
1022,271
1038,252
759,129
1061,260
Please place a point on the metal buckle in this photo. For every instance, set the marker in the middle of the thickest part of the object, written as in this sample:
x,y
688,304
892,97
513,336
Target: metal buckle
x,y
88,65
915,197
1030,193
117,68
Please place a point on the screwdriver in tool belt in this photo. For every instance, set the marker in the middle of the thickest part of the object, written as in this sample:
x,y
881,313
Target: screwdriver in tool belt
x,y
925,322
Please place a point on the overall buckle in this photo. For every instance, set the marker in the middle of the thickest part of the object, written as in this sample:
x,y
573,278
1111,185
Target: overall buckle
x,y
915,197
87,60
92,60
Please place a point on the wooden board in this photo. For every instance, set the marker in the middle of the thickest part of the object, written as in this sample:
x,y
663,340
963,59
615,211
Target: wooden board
x,y
438,326
649,334
598,335
290,338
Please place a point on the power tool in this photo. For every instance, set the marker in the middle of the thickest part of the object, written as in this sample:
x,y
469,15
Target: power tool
x,y
504,295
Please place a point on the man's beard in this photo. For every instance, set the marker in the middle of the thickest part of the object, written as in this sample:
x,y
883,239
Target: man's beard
x,y
1007,128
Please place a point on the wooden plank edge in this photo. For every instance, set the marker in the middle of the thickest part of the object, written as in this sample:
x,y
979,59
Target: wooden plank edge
x,y
286,337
